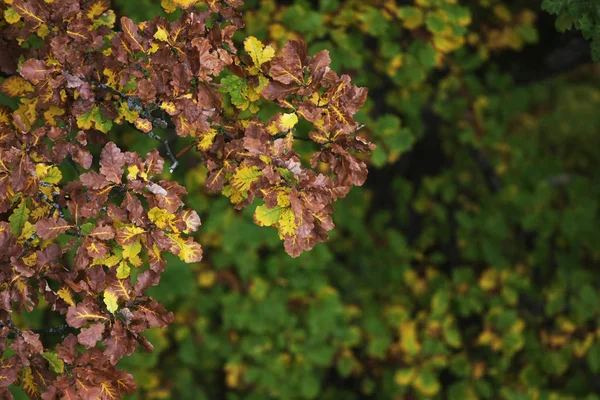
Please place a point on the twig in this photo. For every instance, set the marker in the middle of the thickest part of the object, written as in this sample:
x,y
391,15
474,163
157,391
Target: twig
x,y
54,330
55,206
281,135
168,149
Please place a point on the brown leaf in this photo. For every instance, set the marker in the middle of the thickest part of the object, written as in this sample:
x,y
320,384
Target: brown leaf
x,y
103,232
319,66
146,91
289,67
93,180
278,91
35,70
119,343
130,32
155,313
214,180
187,221
67,351
125,383
10,367
79,315
49,228
181,78
154,163
95,249
145,280
89,337
111,162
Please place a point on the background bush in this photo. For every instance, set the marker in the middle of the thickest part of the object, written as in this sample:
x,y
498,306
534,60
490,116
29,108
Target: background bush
x,y
466,268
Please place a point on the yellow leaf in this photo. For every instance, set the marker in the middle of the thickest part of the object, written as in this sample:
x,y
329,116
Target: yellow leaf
x,y
187,250
131,251
111,79
43,31
123,270
30,259
272,128
408,338
110,299
207,140
132,172
161,218
287,121
16,86
448,44
52,112
65,294
96,9
153,48
244,176
283,199
86,120
207,278
264,216
168,6
169,107
109,261
162,34
287,222
130,116
185,3
29,385
234,374
259,53
41,170
404,376
143,125
11,16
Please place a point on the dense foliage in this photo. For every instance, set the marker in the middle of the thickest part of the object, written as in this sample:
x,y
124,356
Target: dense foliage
x,y
69,242
464,269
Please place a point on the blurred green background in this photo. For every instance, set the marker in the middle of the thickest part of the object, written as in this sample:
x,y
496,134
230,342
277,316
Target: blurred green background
x,y
465,268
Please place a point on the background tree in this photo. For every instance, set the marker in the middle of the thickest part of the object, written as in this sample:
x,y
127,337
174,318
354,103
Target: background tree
x,y
464,268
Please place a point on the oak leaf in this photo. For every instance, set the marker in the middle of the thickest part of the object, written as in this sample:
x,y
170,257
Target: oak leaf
x,y
50,228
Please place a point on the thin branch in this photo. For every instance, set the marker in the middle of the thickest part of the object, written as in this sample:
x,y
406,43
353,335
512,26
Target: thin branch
x,y
168,149
284,134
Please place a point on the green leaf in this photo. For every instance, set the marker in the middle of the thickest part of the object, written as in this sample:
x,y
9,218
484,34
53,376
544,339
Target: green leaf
x,y
435,24
123,270
461,391
237,88
564,22
426,383
54,176
328,6
56,364
18,218
310,386
593,357
264,216
111,301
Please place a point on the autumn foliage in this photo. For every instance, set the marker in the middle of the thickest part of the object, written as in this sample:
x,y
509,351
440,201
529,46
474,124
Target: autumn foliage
x,y
78,214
